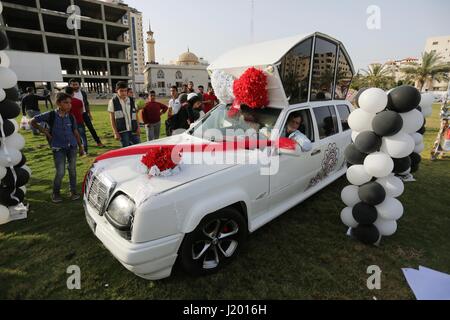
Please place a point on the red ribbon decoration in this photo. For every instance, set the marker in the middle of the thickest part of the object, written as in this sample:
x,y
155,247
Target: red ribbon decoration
x,y
247,144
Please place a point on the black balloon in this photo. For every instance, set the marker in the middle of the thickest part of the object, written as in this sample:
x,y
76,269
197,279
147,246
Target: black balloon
x,y
3,40
368,142
6,198
358,94
402,164
364,213
404,99
9,109
8,128
366,234
22,178
387,123
22,162
422,130
353,155
12,94
372,193
415,161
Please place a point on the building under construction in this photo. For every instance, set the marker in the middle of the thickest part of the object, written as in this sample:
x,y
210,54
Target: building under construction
x,y
88,36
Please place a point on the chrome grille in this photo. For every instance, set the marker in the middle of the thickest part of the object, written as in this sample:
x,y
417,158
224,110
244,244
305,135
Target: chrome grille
x,y
97,194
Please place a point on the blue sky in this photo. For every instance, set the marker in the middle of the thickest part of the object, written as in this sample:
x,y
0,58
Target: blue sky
x,y
211,27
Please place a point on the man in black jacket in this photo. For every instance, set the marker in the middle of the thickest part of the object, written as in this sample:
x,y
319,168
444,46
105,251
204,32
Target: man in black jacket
x,y
87,116
30,106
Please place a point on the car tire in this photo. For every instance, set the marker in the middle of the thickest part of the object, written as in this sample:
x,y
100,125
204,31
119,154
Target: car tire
x,y
215,242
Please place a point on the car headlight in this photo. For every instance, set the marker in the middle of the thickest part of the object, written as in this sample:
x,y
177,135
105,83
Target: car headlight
x,y
120,212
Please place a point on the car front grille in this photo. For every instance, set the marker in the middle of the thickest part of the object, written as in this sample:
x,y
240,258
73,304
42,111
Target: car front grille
x,y
97,193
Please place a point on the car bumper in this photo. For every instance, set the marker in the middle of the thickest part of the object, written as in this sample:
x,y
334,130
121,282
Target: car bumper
x,y
151,260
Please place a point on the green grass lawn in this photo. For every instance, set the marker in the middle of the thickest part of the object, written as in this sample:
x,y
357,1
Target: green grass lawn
x,y
304,254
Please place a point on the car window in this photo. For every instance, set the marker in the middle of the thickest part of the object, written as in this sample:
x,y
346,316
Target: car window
x,y
323,70
306,126
344,113
326,121
294,71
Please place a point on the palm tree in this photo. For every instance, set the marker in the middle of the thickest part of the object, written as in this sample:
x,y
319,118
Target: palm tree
x,y
431,69
377,75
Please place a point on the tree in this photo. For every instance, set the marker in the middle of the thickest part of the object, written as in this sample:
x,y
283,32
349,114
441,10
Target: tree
x,y
377,75
431,69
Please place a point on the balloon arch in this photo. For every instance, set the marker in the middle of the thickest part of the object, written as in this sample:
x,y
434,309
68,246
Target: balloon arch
x,y
387,134
14,174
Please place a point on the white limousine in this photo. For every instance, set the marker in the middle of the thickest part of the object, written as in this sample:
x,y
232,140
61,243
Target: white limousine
x,y
200,216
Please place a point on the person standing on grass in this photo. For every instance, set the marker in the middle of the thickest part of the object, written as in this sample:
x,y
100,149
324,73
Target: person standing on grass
x,y
63,137
174,107
48,99
77,112
87,116
123,116
151,115
30,106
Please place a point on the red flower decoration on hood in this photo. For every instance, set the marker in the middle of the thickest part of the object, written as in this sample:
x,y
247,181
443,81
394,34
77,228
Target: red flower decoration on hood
x,y
159,156
251,89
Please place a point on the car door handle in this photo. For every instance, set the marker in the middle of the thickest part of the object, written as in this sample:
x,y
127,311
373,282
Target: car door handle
x,y
316,152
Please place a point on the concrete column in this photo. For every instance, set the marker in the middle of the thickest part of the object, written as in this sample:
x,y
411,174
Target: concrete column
x,y
80,62
105,37
41,23
133,76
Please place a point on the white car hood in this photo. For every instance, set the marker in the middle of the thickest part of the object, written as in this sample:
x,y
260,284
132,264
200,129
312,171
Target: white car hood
x,y
130,176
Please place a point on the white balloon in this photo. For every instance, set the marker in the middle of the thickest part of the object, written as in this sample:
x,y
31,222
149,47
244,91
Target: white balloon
x,y
360,120
398,146
417,137
355,135
11,159
390,209
2,94
386,227
4,214
393,186
349,196
373,100
4,60
427,111
357,175
378,164
3,172
347,218
427,100
8,78
412,121
419,148
15,141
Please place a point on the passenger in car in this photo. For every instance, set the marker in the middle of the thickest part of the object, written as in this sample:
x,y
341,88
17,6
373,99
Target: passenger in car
x,y
292,131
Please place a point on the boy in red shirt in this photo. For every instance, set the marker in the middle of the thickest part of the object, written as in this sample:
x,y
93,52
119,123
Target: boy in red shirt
x,y
151,115
77,112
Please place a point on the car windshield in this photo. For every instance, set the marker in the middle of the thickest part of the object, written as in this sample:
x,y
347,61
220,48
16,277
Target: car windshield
x,y
225,123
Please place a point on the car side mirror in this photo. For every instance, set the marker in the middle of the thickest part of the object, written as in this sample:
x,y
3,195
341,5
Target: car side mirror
x,y
288,147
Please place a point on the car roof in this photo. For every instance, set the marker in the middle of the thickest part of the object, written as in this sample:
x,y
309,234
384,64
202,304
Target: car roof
x,y
263,53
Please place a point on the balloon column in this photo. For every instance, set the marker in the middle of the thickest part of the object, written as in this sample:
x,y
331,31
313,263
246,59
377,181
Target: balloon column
x,y
387,140
14,174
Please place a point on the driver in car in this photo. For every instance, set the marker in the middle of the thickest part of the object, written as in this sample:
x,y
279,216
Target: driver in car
x,y
292,131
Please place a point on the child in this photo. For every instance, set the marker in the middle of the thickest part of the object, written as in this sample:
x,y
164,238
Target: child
x,y
77,112
64,138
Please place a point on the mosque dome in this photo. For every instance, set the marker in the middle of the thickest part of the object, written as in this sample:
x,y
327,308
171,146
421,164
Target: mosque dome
x,y
187,58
